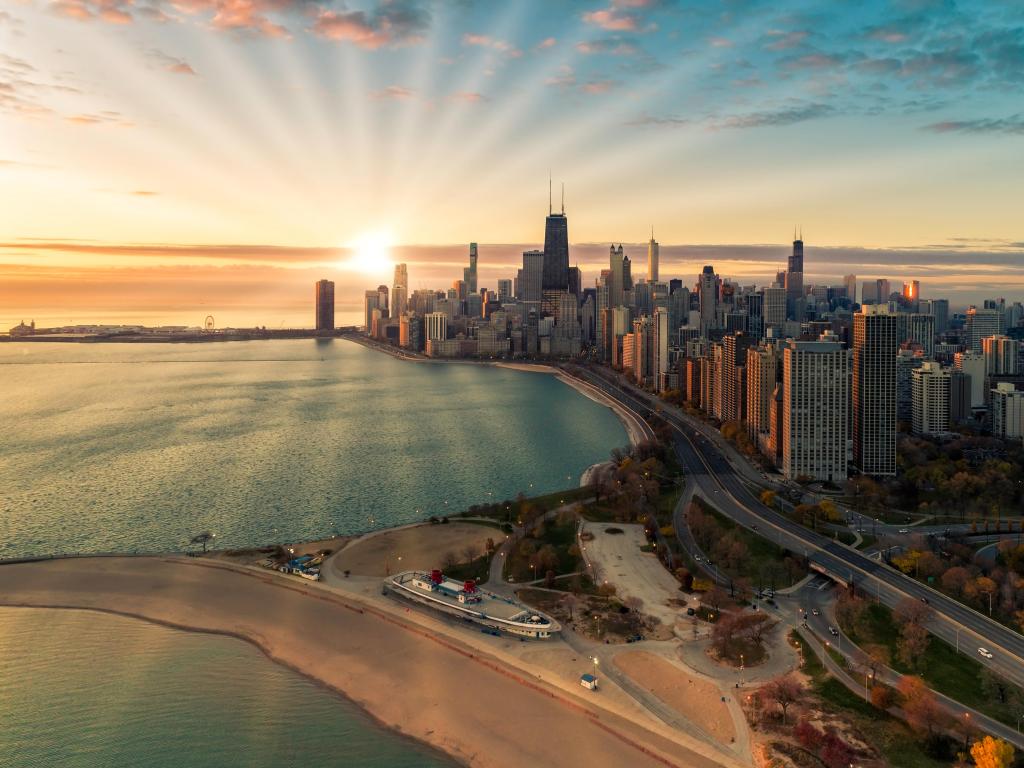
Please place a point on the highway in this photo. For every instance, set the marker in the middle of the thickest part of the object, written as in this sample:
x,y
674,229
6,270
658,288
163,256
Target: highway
x,y
715,478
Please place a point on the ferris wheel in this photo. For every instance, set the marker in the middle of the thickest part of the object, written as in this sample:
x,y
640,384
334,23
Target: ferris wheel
x,y
208,325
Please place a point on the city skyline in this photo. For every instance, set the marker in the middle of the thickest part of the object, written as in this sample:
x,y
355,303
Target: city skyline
x,y
249,143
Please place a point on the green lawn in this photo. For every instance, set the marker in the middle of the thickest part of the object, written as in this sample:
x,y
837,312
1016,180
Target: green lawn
x,y
956,675
887,734
764,556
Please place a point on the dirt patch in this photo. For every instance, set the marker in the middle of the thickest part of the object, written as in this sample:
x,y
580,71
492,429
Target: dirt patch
x,y
698,700
421,547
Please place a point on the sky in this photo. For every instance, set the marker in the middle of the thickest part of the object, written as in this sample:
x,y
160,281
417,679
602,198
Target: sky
x,y
161,160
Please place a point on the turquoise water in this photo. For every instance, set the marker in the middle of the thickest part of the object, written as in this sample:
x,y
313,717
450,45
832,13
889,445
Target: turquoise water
x,y
87,690
138,447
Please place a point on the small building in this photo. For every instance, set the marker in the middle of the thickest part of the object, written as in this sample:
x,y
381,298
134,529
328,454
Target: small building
x,y
588,681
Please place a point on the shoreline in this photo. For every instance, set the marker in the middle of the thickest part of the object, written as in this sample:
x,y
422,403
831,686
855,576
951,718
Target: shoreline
x,y
410,676
637,430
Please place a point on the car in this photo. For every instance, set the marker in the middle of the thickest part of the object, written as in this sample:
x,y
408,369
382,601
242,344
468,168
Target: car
x,y
904,530
924,600
690,612
815,611
833,631
985,652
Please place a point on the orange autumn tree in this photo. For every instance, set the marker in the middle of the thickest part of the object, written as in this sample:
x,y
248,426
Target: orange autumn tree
x,y
992,753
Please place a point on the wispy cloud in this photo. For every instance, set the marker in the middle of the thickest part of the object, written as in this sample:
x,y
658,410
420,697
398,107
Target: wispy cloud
x,y
395,92
1009,125
469,97
170,63
485,41
398,22
595,87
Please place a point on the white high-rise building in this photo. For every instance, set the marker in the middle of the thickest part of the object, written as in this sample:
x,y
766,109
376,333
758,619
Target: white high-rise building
x,y
435,326
1007,411
981,323
931,394
1000,355
972,364
816,399
874,390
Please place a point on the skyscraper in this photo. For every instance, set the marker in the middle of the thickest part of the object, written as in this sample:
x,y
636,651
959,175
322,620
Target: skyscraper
x,y
795,279
1000,355
874,390
774,307
616,278
972,366
734,356
762,377
504,289
930,399
652,259
371,302
469,273
980,324
816,396
400,291
912,295
1007,411
325,305
532,277
556,249
850,281
708,284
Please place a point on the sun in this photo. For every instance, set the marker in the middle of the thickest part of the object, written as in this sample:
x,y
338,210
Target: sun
x,y
370,253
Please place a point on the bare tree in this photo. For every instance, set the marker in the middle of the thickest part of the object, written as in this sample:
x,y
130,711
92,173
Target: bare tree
x,y
784,691
203,538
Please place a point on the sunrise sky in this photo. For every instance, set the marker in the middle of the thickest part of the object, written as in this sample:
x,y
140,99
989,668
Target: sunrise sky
x,y
161,159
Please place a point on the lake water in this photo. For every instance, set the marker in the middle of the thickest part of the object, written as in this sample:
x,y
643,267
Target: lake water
x,y
138,447
88,690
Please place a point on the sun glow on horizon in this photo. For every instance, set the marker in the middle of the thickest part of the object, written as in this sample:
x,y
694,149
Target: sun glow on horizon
x,y
370,253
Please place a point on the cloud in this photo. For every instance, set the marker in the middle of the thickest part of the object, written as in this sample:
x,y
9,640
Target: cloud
x,y
787,115
110,11
470,97
547,42
1013,125
599,86
611,19
485,41
778,40
170,63
144,193
394,92
613,46
771,118
104,117
392,23
720,42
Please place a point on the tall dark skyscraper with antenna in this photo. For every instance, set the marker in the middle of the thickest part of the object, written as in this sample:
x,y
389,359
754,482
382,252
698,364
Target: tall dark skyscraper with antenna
x,y
556,247
795,278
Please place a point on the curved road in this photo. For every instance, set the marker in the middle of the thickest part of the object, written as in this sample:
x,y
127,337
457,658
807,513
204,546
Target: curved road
x,y
714,476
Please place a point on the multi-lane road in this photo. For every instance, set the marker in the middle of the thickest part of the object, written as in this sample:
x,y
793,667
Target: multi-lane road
x,y
715,478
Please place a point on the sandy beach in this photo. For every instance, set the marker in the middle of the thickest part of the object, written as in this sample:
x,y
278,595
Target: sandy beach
x,y
428,685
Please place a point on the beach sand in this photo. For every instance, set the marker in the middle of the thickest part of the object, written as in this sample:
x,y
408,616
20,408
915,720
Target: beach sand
x,y
428,685
696,699
420,547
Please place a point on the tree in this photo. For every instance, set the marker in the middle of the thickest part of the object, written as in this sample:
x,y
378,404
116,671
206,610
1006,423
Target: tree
x,y
203,538
850,612
881,697
715,597
768,498
784,691
570,601
470,552
878,658
992,753
449,560
955,579
920,706
835,753
912,643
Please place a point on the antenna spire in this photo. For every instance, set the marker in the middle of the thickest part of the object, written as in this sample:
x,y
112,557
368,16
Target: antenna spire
x,y
549,193
563,198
